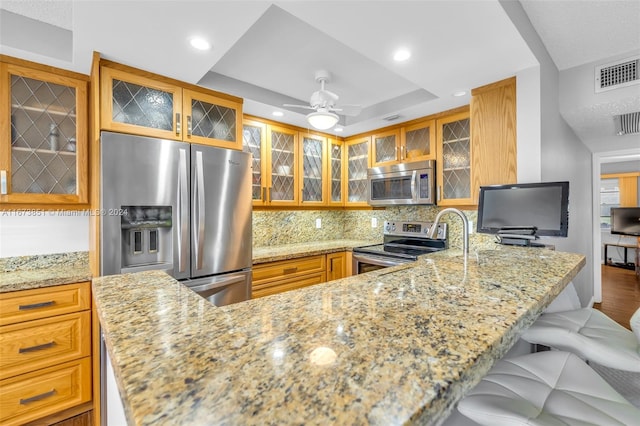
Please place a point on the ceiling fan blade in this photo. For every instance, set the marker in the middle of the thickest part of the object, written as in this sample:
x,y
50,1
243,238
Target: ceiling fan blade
x,y
350,110
298,106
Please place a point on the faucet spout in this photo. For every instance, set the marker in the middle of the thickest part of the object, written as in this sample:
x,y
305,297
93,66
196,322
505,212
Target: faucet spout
x,y
465,226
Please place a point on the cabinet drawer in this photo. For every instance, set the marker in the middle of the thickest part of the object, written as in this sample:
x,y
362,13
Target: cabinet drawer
x,y
279,286
34,395
27,305
42,343
295,267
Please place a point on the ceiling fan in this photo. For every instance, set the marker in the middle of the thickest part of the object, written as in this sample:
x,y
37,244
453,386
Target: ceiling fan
x,y
323,102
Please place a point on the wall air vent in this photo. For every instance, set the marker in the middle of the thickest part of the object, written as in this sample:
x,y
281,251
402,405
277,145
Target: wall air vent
x,y
619,74
627,124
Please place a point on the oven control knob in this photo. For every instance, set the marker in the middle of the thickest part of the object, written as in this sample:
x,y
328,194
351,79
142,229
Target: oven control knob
x,y
393,228
426,230
387,228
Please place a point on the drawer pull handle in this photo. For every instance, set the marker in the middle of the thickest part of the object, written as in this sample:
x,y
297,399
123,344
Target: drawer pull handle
x,y
36,305
290,270
37,347
37,397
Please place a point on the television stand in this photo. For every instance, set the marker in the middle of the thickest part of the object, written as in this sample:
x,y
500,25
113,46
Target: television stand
x,y
626,264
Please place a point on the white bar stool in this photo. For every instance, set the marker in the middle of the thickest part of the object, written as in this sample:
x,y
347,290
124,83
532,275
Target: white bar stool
x,y
546,388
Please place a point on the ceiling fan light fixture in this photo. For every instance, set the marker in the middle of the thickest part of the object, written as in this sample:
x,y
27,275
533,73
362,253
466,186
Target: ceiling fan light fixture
x,y
322,120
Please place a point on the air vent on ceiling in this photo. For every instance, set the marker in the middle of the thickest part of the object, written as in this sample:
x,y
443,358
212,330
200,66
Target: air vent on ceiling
x,y
627,123
619,74
391,117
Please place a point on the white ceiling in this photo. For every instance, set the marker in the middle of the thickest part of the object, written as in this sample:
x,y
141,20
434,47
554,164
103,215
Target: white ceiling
x,y
267,52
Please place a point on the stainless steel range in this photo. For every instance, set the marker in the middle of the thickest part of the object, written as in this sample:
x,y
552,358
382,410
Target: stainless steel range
x,y
403,242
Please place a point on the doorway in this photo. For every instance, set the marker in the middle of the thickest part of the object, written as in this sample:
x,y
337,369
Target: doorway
x,y
600,159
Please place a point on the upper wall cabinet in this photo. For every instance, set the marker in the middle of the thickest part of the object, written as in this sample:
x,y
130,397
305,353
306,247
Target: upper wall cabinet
x,y
138,102
43,127
493,135
358,160
454,160
414,142
335,172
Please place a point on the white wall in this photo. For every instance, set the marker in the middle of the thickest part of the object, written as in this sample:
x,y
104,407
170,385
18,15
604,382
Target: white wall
x,y
40,232
563,155
528,121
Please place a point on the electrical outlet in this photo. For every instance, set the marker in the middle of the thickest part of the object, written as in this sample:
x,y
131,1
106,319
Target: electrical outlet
x,y
471,228
318,223
374,222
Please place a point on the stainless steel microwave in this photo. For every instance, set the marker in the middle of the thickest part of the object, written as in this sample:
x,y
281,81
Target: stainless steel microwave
x,y
409,183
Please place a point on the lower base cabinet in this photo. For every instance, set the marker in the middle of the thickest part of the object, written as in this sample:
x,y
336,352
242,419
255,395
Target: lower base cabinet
x,y
45,354
277,277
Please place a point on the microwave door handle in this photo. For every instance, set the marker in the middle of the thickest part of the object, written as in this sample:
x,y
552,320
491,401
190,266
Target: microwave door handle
x,y
199,210
414,195
183,206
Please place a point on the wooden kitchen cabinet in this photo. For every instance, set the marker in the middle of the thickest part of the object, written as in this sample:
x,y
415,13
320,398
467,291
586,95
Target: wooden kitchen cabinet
x,y
284,155
312,169
254,141
43,128
385,148
141,103
414,142
335,173
45,348
493,135
276,277
358,161
454,160
336,266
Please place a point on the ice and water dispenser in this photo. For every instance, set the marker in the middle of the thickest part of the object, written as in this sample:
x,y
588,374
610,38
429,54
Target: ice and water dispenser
x,y
145,236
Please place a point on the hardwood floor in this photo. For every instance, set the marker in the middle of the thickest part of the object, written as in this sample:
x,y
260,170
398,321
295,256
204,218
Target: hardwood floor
x,y
620,294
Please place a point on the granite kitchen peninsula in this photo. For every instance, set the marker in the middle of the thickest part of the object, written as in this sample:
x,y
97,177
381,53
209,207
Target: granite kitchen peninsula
x,y
399,345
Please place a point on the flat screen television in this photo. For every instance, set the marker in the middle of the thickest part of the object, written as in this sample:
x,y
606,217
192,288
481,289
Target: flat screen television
x,y
544,205
625,221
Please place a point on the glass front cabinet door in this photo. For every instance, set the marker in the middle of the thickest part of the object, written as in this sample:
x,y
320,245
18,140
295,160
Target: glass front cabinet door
x,y
335,177
211,120
454,160
282,145
134,104
254,139
313,174
358,162
43,150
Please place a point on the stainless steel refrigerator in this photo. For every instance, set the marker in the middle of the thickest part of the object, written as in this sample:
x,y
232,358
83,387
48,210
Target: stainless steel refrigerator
x,y
178,207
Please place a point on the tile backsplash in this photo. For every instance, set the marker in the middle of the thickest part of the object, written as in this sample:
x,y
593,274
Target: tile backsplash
x,y
299,226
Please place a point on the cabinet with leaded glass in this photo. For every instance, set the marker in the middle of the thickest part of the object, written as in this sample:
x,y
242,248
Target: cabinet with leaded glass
x,y
43,127
254,141
358,160
336,156
142,103
313,172
454,160
418,141
385,148
283,185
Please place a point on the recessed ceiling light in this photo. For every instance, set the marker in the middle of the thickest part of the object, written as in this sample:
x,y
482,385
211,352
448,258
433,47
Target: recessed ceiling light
x,y
200,43
338,129
401,55
277,113
459,93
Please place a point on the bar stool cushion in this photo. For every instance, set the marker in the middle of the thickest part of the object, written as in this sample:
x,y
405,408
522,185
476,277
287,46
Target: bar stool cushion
x,y
546,388
590,334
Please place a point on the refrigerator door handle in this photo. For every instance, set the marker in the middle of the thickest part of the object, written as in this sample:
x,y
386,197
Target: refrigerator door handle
x,y
183,206
199,210
218,282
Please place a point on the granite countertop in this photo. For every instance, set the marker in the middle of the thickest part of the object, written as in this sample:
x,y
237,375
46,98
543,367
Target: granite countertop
x,y
293,251
394,346
29,272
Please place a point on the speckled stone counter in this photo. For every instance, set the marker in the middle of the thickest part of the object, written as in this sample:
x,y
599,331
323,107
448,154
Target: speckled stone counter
x,y
293,251
395,346
28,272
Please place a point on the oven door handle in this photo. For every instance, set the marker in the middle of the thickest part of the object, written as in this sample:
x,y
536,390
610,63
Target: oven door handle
x,y
377,260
